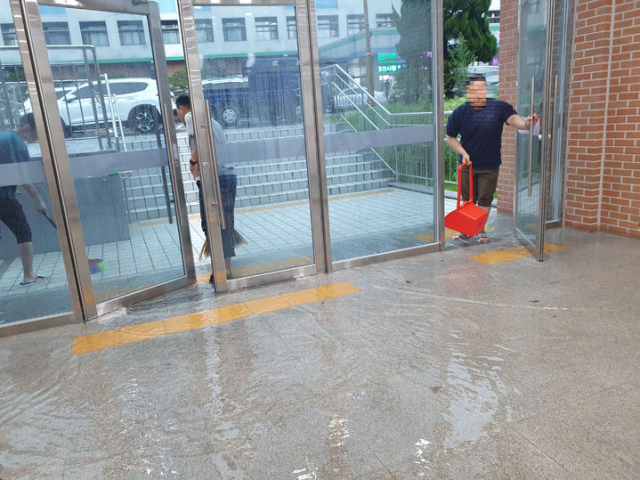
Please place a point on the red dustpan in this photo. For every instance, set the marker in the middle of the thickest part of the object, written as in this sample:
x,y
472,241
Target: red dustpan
x,y
468,218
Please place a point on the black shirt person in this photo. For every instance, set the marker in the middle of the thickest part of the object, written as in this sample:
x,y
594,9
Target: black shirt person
x,y
479,122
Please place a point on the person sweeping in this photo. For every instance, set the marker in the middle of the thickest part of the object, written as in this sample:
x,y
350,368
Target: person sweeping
x,y
228,185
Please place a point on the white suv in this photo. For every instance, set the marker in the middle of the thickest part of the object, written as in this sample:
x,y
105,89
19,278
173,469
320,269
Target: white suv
x,y
136,100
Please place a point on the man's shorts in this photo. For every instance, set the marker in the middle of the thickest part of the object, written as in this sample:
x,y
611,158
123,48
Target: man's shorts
x,y
12,215
485,183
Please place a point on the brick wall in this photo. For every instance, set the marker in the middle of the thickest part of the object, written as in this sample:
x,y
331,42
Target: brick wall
x,y
508,81
620,186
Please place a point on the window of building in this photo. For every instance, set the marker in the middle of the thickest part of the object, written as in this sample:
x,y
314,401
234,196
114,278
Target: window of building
x,y
204,30
170,32
493,16
234,30
292,29
56,33
385,20
328,26
9,34
94,33
355,24
131,32
266,28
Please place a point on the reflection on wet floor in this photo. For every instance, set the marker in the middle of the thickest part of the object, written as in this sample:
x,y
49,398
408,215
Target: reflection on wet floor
x,y
439,367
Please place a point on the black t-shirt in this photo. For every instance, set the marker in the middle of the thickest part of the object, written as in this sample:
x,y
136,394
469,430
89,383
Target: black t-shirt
x,y
481,131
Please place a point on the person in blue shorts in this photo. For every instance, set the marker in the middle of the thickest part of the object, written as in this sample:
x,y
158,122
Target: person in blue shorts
x,y
479,123
14,150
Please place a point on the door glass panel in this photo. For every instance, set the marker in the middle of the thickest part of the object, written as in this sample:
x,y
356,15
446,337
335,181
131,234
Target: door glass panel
x,y
559,67
113,124
255,99
379,127
531,70
33,280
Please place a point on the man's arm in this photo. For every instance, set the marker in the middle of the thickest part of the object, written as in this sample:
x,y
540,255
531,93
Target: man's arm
x,y
519,123
193,163
40,206
457,147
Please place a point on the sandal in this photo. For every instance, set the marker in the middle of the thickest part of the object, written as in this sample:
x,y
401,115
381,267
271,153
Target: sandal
x,y
38,277
482,237
461,236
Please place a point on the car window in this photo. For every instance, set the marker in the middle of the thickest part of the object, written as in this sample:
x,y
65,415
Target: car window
x,y
127,88
83,92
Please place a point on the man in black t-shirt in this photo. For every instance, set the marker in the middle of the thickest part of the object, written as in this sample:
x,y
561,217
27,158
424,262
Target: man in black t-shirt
x,y
479,122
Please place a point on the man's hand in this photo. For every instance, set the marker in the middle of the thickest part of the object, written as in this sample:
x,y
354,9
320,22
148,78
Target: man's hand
x,y
194,170
41,207
531,118
466,159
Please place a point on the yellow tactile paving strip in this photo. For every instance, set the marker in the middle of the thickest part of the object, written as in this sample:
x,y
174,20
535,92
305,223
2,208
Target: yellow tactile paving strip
x,y
509,254
263,268
192,321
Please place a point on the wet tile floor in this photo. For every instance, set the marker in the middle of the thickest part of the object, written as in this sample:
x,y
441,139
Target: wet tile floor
x,y
439,366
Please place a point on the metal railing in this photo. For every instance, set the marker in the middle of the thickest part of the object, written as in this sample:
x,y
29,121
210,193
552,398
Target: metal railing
x,y
352,105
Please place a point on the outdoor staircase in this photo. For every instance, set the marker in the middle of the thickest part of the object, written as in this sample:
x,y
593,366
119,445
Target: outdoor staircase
x,y
264,182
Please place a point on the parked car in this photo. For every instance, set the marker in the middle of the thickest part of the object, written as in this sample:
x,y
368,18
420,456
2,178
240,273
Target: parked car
x,y
135,98
267,92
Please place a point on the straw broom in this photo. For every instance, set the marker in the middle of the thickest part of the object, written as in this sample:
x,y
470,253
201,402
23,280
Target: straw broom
x,y
238,239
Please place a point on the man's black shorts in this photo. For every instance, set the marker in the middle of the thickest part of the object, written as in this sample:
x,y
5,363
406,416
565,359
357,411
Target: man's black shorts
x,y
12,215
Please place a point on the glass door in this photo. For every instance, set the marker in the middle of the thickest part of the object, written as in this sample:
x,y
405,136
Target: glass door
x,y
537,93
107,100
380,84
37,280
252,104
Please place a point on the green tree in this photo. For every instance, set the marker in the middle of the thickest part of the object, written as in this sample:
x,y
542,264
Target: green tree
x,y
415,48
461,58
466,19
462,19
178,80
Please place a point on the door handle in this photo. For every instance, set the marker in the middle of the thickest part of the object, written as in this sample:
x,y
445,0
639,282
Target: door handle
x,y
531,127
214,165
553,135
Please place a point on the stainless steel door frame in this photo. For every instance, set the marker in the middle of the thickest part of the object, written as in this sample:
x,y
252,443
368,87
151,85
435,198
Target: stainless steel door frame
x,y
313,145
53,179
546,131
203,145
60,157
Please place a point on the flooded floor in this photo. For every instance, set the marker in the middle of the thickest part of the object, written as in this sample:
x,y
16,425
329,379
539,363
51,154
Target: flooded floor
x,y
438,366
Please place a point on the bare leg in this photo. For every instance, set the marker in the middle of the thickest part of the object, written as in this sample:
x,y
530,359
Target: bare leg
x,y
25,250
482,238
227,266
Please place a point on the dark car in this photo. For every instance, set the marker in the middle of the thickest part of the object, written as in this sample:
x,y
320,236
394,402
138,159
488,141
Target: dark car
x,y
268,93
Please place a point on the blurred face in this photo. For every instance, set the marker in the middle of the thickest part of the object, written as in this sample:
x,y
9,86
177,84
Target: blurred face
x,y
182,112
27,133
477,94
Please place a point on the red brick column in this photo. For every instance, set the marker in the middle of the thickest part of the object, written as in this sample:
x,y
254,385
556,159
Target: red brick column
x,y
587,112
508,60
620,205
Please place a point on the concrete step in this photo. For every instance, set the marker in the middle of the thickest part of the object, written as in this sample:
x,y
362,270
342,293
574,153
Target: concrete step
x,y
303,193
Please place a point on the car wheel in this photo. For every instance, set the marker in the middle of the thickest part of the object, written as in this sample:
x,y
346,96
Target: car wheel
x,y
230,115
144,119
66,129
